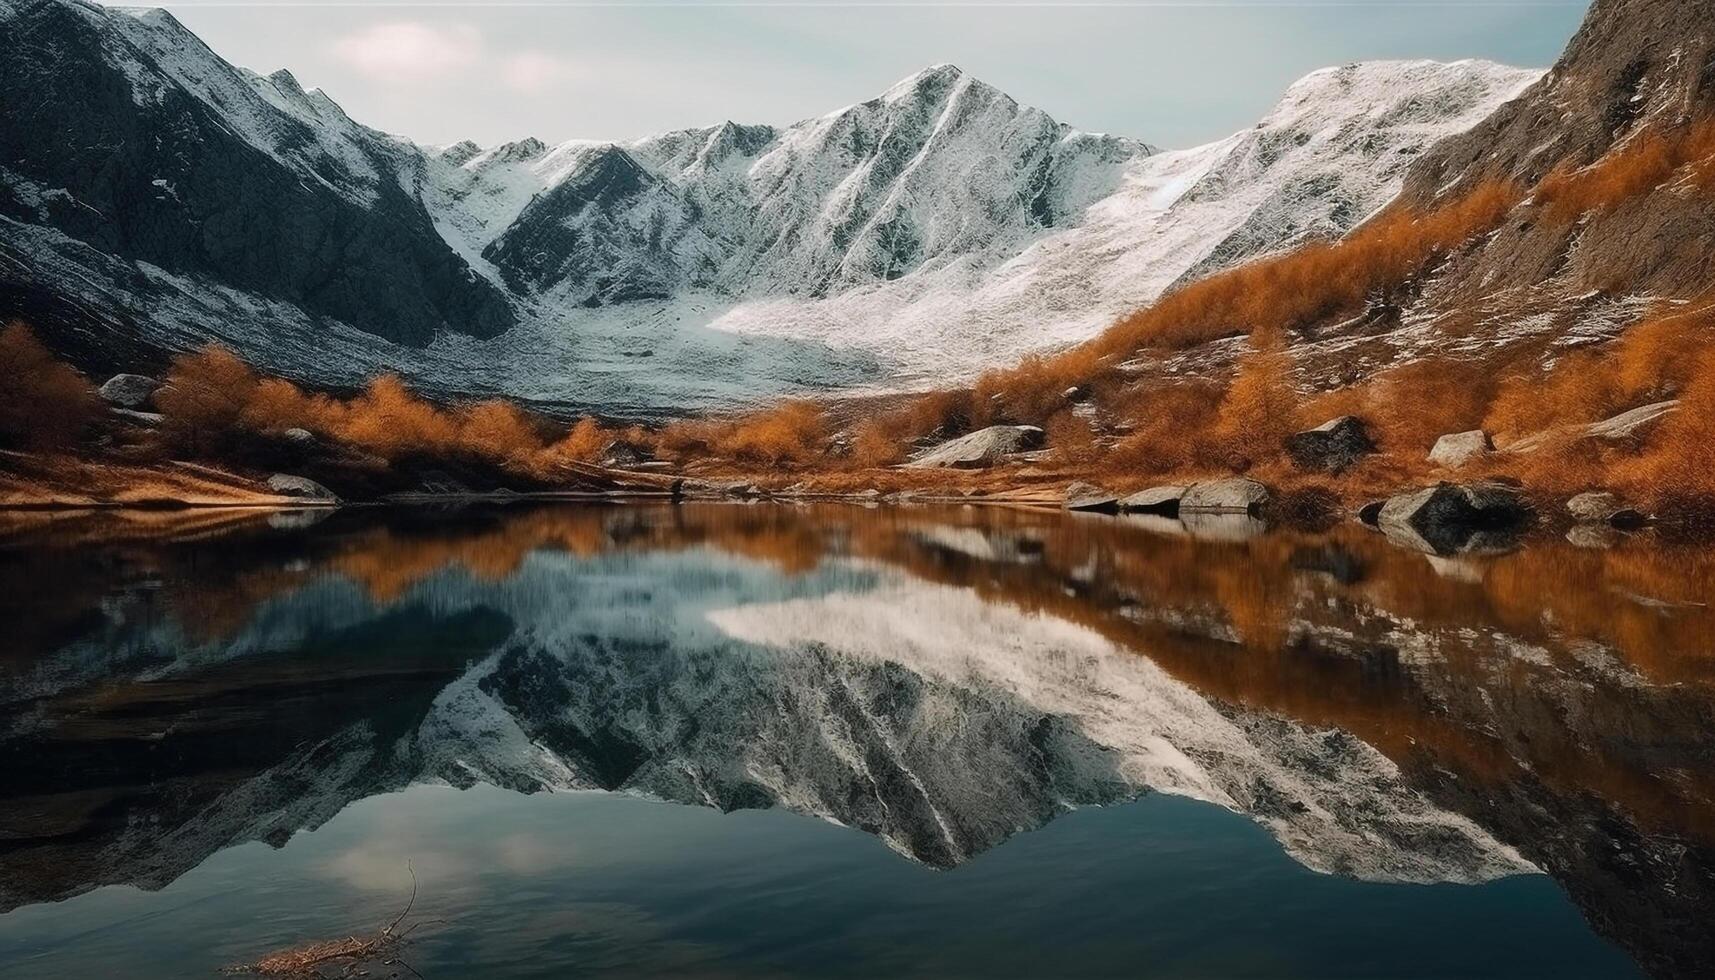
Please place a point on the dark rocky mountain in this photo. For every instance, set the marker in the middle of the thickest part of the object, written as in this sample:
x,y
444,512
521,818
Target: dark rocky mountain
x,y
1636,69
122,134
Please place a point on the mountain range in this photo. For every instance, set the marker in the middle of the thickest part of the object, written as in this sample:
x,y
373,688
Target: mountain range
x,y
154,197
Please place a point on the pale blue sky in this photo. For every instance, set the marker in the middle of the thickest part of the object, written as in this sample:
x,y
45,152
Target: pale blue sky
x,y
1175,73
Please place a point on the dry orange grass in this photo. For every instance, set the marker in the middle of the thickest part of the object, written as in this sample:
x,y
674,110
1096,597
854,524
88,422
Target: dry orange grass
x,y
1171,429
44,404
794,433
584,443
1636,168
205,397
1264,299
1581,388
498,430
1678,460
1259,408
1290,291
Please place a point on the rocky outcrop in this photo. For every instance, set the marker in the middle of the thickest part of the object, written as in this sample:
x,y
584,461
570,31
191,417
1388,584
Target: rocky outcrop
x,y
1332,447
212,174
301,488
1626,425
1459,448
981,449
1234,495
1450,517
1091,499
1601,507
1156,500
132,391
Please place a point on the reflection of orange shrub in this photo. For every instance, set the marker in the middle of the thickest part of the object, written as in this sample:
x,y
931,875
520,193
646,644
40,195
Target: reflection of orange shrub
x,y
44,404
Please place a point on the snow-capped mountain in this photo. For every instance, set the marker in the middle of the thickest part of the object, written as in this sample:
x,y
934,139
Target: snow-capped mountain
x,y
932,231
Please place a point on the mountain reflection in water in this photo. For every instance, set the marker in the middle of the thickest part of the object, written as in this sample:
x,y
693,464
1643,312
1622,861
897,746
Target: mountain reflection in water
x,y
940,678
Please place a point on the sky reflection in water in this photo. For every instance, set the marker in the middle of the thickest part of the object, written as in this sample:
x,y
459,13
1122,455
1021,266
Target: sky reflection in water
x,y
1398,737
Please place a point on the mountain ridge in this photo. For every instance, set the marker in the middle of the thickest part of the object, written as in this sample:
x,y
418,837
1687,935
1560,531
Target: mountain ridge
x,y
929,232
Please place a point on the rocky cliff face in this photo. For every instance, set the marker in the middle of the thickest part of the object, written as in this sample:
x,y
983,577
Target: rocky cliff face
x,y
932,231
123,135
1635,69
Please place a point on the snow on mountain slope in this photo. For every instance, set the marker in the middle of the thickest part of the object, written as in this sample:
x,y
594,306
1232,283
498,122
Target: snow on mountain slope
x,y
935,230
1333,151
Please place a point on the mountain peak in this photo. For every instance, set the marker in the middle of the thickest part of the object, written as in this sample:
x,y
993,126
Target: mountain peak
x,y
933,79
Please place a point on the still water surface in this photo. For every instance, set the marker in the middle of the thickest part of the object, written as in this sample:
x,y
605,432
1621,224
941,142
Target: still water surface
x,y
765,740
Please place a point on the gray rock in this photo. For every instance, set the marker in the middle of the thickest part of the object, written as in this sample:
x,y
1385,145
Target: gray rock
x,y
1371,513
1450,518
980,449
1600,507
1332,447
1091,499
148,420
1460,448
1625,425
1155,500
132,391
301,488
298,437
1233,495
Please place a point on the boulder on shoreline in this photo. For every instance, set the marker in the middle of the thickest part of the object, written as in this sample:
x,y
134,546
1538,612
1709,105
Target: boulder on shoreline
x,y
1088,498
132,391
301,488
1156,500
1458,448
1449,517
1232,495
982,448
1601,507
1332,447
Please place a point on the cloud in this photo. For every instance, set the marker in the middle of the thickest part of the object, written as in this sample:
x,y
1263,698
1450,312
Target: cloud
x,y
533,71
409,51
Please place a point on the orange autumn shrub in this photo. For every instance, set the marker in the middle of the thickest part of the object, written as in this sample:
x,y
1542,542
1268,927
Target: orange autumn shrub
x,y
1260,407
874,446
1071,438
583,443
390,421
793,433
1650,359
1678,459
205,397
1289,291
44,403
276,405
1635,168
1582,387
497,430
1171,426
